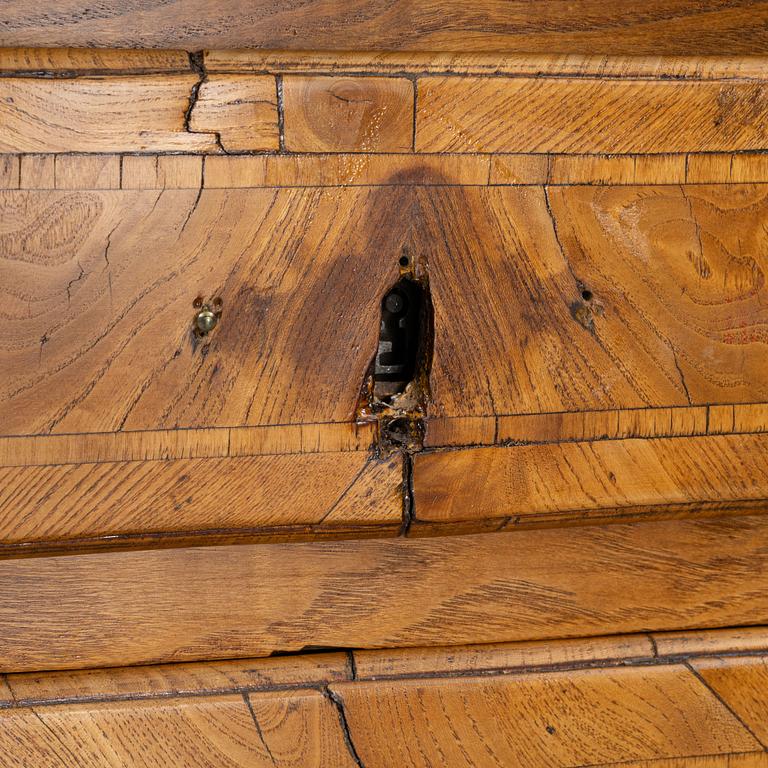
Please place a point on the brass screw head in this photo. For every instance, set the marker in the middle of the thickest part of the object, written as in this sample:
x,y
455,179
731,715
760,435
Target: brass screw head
x,y
205,320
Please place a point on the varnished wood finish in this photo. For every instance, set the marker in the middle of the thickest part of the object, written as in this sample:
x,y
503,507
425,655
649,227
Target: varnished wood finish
x,y
348,114
741,684
192,496
187,604
103,342
109,114
102,326
241,110
593,717
660,26
560,115
582,479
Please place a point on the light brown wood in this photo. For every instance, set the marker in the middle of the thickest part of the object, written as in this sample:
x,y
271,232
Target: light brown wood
x,y
34,688
229,602
161,172
100,334
583,298
582,116
345,169
348,114
274,729
139,113
661,26
460,62
91,61
240,109
473,659
577,718
590,478
108,499
735,640
741,684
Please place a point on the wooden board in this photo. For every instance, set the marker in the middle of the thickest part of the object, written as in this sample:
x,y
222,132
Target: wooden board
x,y
575,481
100,332
578,718
671,26
348,114
581,116
213,602
108,114
248,496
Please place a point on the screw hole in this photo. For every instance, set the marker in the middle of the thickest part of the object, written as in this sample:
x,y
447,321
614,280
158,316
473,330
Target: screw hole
x,y
404,261
586,295
218,302
198,302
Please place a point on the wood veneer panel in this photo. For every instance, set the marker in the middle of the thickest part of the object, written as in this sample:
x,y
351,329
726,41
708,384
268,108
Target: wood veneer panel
x,y
660,26
726,641
586,298
590,478
85,501
348,114
100,324
227,731
741,684
176,679
137,113
251,600
575,718
241,109
588,115
91,61
472,659
460,62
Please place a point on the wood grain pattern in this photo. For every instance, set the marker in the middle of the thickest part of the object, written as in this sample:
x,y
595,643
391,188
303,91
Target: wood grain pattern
x,y
161,172
178,732
741,684
727,641
100,329
474,659
578,718
582,298
34,688
91,61
462,62
87,501
231,602
585,116
348,114
108,114
660,26
590,478
240,109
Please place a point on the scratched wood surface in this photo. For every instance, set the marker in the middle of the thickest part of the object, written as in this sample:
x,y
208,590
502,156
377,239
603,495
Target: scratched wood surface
x,y
680,706
228,602
101,327
558,482
680,26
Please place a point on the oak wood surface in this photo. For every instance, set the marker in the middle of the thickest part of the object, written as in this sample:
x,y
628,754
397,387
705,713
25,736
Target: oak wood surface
x,y
589,478
263,729
577,115
741,684
241,110
348,114
251,600
91,61
101,335
589,717
136,113
89,501
586,26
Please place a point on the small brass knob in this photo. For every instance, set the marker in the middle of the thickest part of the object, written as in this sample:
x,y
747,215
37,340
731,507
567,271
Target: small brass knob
x,y
205,320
